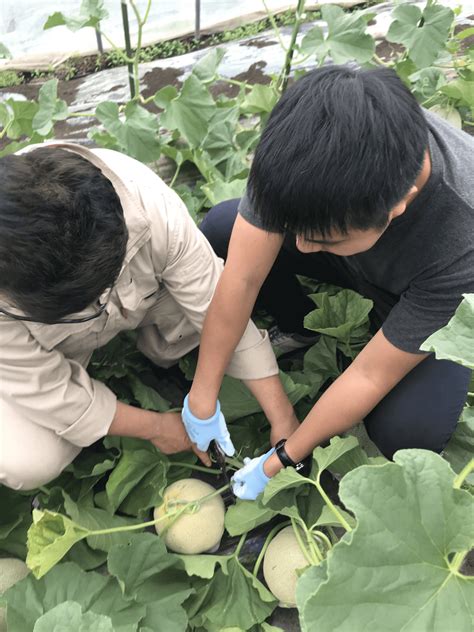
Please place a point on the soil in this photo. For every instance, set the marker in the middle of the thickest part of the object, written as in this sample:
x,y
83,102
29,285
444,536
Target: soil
x,y
258,42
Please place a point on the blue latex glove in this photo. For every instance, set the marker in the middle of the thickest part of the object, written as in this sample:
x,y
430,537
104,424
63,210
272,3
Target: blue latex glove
x,y
203,431
251,480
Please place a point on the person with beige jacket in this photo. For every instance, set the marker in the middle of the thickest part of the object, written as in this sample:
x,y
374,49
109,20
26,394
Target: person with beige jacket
x,y
92,243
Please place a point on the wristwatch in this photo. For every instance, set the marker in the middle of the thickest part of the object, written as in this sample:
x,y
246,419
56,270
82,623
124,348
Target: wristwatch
x,y
303,467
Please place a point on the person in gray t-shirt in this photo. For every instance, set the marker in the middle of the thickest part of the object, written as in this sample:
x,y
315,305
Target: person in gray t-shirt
x,y
355,184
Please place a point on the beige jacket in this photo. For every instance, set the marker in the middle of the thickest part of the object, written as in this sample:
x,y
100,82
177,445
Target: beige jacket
x,y
164,289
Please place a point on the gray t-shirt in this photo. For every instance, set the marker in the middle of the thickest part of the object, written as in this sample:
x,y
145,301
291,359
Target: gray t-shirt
x,y
425,258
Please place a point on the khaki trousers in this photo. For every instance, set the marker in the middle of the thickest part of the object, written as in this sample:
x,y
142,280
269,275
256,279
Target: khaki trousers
x,y
30,455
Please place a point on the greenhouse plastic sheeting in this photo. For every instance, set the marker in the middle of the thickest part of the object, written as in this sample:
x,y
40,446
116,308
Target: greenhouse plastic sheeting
x,y
22,21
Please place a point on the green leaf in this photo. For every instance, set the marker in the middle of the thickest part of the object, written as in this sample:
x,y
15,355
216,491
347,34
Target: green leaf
x,y
287,478
17,117
163,97
154,577
455,341
259,99
30,599
51,109
245,515
69,616
292,495
91,13
250,603
203,565
92,463
219,191
15,520
148,397
4,52
190,112
344,316
460,447
320,363
139,459
449,114
94,519
394,573
137,134
461,90
346,38
338,448
206,68
424,34
237,401
49,539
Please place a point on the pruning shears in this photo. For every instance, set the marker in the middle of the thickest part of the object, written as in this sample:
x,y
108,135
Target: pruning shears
x,y
218,456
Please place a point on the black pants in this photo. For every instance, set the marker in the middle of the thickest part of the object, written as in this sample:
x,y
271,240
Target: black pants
x,y
423,409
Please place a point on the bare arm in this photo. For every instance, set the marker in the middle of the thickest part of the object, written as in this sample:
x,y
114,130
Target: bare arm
x,y
374,373
252,253
165,430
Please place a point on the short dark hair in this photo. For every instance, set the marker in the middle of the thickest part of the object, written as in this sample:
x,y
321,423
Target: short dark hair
x,y
62,232
341,148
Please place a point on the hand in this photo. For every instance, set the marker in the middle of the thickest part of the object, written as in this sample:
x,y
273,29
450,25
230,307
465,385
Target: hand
x,y
251,480
203,431
171,437
283,429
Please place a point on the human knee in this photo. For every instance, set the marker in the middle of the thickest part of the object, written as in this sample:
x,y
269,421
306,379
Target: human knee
x,y
218,224
30,455
17,472
392,434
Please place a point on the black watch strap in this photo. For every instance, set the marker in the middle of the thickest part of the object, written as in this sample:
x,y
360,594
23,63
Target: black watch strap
x,y
282,454
303,467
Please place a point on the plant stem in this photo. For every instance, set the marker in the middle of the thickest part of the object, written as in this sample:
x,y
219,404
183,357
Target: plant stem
x,y
197,468
176,173
264,548
322,536
331,505
332,535
311,559
463,474
151,523
271,17
235,463
136,58
117,49
457,561
241,543
80,115
285,73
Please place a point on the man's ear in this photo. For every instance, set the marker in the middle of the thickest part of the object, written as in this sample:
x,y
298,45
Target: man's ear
x,y
401,207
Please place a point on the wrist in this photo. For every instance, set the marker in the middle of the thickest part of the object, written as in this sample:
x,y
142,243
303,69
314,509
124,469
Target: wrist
x,y
202,405
272,465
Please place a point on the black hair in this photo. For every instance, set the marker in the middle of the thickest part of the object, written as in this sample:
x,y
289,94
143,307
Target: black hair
x,y
340,149
62,233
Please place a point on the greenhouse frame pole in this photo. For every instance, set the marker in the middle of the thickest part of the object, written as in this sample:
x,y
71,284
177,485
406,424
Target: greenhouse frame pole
x,y
197,25
128,46
98,37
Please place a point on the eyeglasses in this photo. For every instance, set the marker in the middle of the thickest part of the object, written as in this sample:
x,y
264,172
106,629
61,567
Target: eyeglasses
x,y
103,300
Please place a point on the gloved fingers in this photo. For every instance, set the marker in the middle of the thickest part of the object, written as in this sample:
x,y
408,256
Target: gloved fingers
x,y
202,444
247,459
226,445
244,493
238,477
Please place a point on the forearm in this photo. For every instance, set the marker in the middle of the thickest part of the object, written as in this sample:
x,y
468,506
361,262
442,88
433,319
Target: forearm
x,y
224,326
271,396
342,406
129,421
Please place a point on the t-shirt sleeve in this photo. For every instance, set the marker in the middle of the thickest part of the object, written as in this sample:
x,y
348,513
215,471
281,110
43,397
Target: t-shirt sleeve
x,y
428,305
246,210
